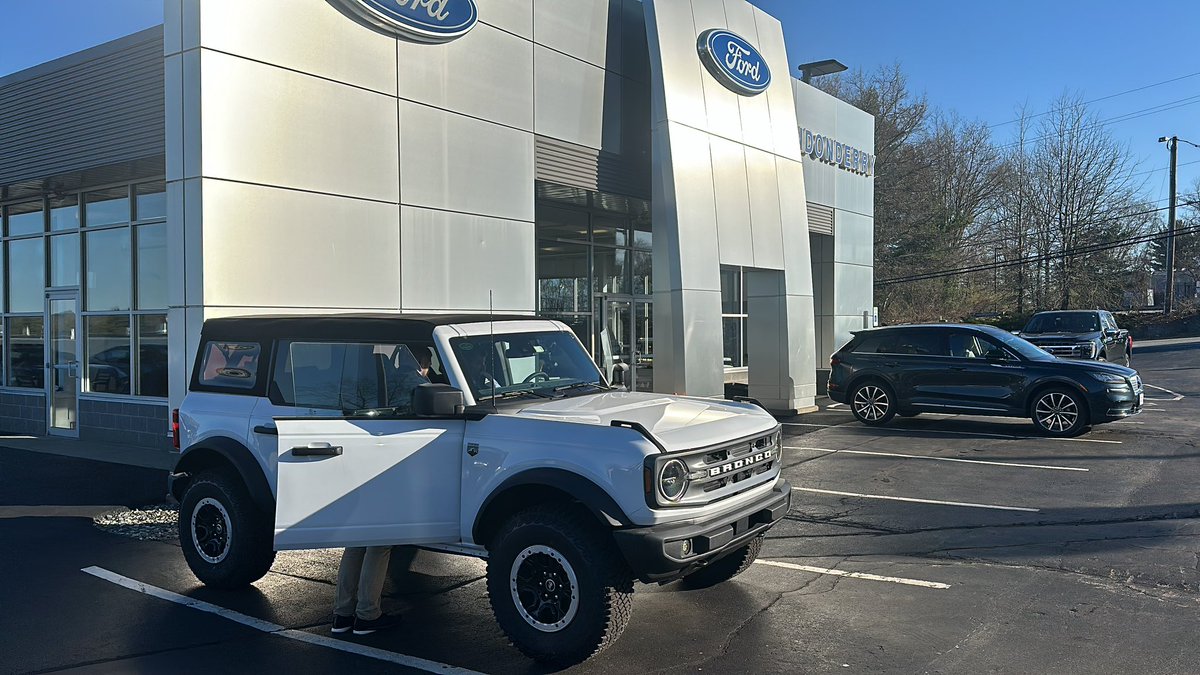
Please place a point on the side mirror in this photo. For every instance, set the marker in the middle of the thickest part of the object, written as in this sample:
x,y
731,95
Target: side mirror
x,y
437,400
618,375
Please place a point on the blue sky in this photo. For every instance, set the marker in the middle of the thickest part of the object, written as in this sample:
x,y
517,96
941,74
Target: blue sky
x,y
982,59
985,59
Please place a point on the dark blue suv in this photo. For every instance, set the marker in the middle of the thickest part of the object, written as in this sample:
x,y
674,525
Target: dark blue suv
x,y
977,370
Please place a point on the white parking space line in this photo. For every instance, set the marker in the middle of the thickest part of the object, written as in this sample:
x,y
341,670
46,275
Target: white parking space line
x,y
939,459
1176,396
960,433
275,629
917,501
853,575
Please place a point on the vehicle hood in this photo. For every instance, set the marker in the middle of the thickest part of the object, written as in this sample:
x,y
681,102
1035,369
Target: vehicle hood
x,y
677,422
1074,365
1059,338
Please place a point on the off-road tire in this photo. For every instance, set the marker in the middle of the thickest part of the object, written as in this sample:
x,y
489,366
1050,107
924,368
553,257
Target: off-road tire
x,y
865,400
249,552
726,568
605,584
1071,408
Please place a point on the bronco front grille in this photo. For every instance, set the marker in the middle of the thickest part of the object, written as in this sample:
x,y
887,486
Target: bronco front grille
x,y
722,471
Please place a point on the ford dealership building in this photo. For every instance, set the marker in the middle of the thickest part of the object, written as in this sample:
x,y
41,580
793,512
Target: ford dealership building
x,y
647,172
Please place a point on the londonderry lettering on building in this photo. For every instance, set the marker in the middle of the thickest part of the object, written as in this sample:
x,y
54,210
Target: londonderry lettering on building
x,y
839,154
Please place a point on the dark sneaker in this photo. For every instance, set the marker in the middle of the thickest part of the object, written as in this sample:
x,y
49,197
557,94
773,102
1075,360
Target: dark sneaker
x,y
341,624
362,627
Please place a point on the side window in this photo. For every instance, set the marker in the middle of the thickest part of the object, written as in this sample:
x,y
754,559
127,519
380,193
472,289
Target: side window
x,y
1110,322
346,376
971,345
230,364
868,344
919,342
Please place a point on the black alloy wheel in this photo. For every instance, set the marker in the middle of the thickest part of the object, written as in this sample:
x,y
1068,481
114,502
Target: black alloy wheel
x,y
559,588
226,539
1059,412
872,403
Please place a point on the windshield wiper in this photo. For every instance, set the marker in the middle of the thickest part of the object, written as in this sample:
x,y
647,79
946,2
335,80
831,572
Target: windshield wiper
x,y
578,385
516,392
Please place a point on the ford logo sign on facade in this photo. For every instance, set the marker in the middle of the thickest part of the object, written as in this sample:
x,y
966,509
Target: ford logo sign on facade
x,y
734,62
420,20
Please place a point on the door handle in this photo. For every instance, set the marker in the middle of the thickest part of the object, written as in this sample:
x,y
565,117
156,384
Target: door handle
x,y
266,430
957,368
325,450
892,364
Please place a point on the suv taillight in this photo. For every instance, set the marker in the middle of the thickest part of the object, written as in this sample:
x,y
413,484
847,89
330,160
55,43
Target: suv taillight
x,y
834,361
175,428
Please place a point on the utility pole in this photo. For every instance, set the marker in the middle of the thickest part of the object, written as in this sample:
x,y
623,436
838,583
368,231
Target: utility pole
x,y
1169,300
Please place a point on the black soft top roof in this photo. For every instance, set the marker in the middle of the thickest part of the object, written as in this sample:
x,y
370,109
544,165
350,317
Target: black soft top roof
x,y
376,326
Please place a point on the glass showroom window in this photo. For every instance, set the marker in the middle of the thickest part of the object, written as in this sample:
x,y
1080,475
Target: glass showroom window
x,y
22,294
733,317
124,290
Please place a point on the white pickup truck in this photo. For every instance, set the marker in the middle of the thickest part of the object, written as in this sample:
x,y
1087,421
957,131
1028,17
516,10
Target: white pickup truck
x,y
495,437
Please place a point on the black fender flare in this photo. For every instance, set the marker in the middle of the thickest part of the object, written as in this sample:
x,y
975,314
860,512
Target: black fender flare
x,y
223,450
593,497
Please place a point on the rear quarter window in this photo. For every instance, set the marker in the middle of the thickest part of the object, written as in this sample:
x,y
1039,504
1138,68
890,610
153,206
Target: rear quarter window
x,y
918,342
230,365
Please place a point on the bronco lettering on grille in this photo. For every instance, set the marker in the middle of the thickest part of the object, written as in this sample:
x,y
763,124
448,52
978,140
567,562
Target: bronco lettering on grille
x,y
740,464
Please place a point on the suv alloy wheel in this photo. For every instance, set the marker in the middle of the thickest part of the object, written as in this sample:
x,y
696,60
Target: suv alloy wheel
x,y
558,587
1059,412
226,539
872,403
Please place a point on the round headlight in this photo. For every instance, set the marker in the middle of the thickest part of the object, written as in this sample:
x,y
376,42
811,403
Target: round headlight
x,y
672,480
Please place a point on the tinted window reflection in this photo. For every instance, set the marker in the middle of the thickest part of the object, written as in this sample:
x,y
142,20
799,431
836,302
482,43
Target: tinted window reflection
x,y
152,355
64,260
151,200
108,354
26,275
64,214
26,352
152,266
108,207
108,282
25,218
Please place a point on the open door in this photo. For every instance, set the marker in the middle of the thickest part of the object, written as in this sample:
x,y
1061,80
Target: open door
x,y
368,482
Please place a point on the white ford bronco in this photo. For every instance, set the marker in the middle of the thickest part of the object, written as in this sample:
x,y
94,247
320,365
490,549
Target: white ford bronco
x,y
492,437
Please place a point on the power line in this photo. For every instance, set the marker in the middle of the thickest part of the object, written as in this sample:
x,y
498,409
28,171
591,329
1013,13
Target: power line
x,y
1090,248
1097,100
1125,117
1005,239
1164,168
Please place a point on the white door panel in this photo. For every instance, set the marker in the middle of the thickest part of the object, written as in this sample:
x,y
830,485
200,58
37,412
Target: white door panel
x,y
367,482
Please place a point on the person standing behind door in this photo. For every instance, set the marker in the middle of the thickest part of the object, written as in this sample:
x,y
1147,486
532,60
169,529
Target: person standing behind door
x,y
360,580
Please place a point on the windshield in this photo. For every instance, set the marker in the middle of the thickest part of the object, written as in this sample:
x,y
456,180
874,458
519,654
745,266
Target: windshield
x,y
1023,347
542,364
1063,322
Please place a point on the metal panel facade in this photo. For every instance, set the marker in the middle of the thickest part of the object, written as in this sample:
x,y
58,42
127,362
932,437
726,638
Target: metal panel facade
x,y
96,108
696,119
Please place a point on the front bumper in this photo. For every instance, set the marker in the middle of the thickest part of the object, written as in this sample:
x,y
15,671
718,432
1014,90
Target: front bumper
x,y
654,553
1115,403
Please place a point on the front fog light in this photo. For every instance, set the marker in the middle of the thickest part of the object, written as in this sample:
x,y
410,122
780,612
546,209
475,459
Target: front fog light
x,y
672,480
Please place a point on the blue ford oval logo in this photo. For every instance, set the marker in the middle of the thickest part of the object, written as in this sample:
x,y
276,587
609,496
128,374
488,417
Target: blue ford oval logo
x,y
421,20
734,62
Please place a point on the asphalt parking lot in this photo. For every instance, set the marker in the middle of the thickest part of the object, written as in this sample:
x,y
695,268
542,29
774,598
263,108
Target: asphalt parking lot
x,y
943,544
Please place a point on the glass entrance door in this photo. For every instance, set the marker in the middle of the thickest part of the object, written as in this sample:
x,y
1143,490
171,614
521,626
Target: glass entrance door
x,y
62,360
624,342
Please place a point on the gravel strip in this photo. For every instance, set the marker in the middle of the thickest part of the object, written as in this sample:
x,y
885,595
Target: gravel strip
x,y
153,523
